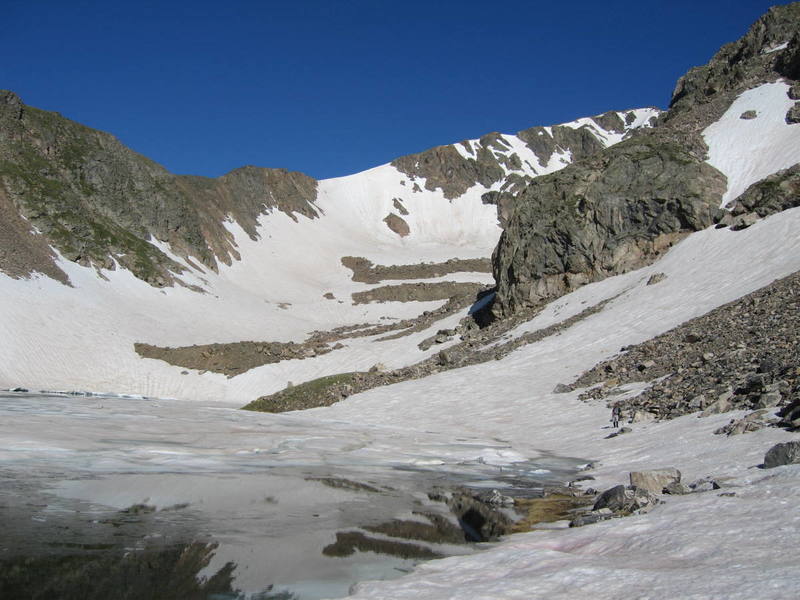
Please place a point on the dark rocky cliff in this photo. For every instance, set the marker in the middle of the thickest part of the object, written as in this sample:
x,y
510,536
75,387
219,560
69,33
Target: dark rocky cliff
x,y
602,216
618,209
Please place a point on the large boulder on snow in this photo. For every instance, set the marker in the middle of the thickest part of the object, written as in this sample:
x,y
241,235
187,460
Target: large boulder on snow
x,y
786,453
621,499
608,214
655,480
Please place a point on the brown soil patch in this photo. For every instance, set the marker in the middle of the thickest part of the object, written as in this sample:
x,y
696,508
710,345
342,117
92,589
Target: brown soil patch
x,y
472,349
417,292
233,358
397,224
364,271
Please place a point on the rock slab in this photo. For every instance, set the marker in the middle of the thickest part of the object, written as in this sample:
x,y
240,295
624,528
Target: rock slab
x,y
655,480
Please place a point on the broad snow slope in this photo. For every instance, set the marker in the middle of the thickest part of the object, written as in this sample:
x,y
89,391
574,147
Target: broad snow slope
x,y
81,337
701,546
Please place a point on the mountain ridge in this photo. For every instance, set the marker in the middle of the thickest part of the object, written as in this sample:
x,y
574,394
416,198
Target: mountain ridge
x,y
98,202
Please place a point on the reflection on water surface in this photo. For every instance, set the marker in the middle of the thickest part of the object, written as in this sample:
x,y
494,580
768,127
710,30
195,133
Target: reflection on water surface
x,y
112,498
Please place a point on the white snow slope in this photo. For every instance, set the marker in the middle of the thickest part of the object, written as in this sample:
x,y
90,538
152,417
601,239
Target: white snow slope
x,y
81,337
747,150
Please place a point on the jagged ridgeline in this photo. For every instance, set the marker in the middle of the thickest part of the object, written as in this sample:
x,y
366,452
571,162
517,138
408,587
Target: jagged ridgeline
x,y
620,208
98,202
490,159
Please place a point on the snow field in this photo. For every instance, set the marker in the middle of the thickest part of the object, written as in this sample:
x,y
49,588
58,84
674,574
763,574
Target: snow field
x,y
747,150
82,337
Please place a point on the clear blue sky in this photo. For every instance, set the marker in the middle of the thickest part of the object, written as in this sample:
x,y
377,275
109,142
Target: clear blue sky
x,y
335,87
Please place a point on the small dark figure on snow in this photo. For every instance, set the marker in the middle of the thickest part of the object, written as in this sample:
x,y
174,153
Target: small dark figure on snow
x,y
615,414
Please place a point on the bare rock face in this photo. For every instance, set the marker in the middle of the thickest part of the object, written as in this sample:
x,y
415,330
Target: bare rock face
x,y
444,168
613,212
778,192
98,202
580,142
22,252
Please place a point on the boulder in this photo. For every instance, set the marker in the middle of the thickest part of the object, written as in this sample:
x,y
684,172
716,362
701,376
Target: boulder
x,y
720,405
790,414
768,400
642,416
744,221
787,453
751,422
613,499
706,484
655,480
621,499
592,516
610,213
793,114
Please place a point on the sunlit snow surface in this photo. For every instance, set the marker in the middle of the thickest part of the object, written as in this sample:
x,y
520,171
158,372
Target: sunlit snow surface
x,y
475,419
747,150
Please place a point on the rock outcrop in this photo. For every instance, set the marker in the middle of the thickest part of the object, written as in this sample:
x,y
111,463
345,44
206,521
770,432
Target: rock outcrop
x,y
704,93
605,215
778,192
491,159
620,208
444,168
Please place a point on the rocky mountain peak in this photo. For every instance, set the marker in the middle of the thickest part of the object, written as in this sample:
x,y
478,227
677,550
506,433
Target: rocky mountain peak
x,y
10,104
769,50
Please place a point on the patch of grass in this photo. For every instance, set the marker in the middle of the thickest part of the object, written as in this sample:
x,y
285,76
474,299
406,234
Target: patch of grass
x,y
311,394
546,510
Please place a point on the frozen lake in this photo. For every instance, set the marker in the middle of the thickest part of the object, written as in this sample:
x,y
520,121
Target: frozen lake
x,y
103,493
